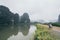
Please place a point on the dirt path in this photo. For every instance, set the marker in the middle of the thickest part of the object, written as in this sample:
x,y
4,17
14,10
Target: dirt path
x,y
56,28
55,32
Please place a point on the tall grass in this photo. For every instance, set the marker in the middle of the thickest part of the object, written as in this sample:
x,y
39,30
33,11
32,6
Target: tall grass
x,y
42,33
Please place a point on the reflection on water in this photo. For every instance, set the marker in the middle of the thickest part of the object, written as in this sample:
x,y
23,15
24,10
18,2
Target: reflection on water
x,y
17,32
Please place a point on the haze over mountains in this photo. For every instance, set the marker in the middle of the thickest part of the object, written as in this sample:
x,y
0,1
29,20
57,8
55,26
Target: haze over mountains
x,y
46,10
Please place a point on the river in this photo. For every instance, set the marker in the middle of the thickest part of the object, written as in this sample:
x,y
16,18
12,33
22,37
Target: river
x,y
21,32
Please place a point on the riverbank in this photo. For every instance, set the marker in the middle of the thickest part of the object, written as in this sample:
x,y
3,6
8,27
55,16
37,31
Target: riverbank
x,y
42,33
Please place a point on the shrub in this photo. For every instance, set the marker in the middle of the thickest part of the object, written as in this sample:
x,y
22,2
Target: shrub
x,y
56,24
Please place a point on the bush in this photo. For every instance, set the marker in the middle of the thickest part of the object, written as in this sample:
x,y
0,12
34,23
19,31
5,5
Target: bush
x,y
56,24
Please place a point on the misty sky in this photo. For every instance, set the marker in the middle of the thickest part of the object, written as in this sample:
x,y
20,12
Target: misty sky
x,y
38,9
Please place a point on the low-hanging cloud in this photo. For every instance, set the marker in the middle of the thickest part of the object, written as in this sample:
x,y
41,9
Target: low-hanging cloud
x,y
37,9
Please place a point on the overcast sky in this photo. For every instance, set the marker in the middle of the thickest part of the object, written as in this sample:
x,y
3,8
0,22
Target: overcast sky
x,y
37,9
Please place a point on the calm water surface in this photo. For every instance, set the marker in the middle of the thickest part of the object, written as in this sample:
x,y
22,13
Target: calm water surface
x,y
22,32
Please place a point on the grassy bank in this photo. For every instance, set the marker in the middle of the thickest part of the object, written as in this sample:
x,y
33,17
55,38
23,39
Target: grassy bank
x,y
42,33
